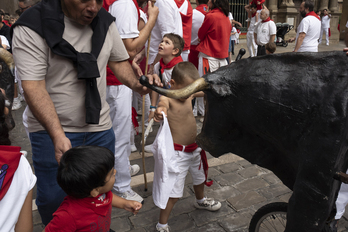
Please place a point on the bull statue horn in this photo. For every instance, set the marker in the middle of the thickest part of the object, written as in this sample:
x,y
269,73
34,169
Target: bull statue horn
x,y
198,85
8,59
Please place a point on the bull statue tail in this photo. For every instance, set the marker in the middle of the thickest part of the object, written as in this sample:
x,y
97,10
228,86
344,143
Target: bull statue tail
x,y
198,85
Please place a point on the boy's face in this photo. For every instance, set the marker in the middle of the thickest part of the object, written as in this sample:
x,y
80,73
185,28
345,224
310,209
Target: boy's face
x,y
166,47
109,182
253,10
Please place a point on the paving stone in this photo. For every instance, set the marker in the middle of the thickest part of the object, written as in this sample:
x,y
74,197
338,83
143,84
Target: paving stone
x,y
202,217
285,197
245,200
230,167
228,179
181,223
251,184
136,230
212,172
271,178
38,228
274,191
120,224
250,172
244,163
116,212
235,221
145,218
212,227
184,206
36,217
221,194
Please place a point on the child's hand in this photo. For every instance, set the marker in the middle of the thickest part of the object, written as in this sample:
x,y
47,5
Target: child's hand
x,y
137,69
159,115
133,206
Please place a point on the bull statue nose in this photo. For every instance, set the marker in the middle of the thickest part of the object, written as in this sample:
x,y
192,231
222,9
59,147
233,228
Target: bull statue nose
x,y
198,85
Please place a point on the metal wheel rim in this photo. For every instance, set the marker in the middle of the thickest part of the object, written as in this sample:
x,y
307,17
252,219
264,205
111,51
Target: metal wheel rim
x,y
272,222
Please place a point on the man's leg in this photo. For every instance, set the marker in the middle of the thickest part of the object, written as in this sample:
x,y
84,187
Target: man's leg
x,y
49,194
321,35
327,36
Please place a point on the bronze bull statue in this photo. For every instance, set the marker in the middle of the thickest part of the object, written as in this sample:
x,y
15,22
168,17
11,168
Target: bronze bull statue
x,y
287,113
7,79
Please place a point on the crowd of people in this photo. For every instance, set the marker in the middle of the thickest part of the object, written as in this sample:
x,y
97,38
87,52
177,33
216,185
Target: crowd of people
x,y
77,66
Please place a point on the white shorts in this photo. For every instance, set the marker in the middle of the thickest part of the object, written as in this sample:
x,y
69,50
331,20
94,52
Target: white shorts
x,y
188,161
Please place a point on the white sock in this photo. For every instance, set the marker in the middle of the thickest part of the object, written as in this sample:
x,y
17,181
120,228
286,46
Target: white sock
x,y
201,200
161,225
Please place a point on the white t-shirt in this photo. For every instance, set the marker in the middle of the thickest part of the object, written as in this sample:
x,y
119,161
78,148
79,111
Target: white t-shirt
x,y
126,15
143,15
264,32
5,42
325,21
252,24
166,75
197,20
230,16
11,205
168,21
233,37
311,26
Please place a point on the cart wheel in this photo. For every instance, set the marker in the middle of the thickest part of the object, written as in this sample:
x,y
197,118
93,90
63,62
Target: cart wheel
x,y
285,44
271,217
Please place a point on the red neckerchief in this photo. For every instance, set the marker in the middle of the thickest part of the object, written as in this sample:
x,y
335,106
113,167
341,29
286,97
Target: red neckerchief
x,y
266,20
191,148
253,15
171,64
108,3
97,204
202,8
313,14
134,120
9,161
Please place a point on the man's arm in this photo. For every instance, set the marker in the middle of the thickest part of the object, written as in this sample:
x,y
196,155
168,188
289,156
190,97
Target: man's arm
x,y
44,111
299,41
124,72
255,37
133,45
271,39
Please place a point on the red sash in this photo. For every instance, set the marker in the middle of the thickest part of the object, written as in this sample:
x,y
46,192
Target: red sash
x,y
186,23
313,14
191,148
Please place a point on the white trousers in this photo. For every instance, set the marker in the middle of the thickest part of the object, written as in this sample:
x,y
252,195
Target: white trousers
x,y
326,31
199,106
342,200
119,98
252,47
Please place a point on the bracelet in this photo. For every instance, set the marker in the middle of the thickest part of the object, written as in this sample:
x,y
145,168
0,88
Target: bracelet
x,y
153,107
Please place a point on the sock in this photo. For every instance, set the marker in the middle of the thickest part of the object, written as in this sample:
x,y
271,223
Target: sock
x,y
201,200
161,225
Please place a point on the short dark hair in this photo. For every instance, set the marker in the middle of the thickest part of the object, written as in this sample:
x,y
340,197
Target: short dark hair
x,y
203,2
83,169
177,40
253,6
183,71
223,5
309,4
271,47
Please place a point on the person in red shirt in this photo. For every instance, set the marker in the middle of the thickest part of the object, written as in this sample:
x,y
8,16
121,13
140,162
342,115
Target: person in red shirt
x,y
87,175
214,36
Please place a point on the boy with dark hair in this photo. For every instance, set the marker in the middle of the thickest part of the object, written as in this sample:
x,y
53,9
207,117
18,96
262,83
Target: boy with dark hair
x,y
270,48
187,155
87,175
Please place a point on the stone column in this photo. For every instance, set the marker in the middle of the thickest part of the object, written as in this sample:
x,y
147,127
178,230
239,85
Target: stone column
x,y
324,4
333,5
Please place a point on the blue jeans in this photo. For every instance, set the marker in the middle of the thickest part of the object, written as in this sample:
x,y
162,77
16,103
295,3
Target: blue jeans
x,y
49,194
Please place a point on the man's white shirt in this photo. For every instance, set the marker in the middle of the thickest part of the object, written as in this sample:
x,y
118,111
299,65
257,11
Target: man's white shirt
x,y
311,26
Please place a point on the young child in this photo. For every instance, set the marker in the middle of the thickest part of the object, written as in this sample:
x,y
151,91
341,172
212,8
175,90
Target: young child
x,y
16,181
233,39
270,48
170,50
87,175
188,155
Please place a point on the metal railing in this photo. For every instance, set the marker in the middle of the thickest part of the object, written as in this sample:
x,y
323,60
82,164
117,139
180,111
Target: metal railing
x,y
239,13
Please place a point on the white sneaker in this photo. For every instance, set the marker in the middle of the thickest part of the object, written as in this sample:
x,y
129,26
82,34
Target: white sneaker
x,y
134,169
163,229
208,204
16,104
148,148
133,148
20,97
131,196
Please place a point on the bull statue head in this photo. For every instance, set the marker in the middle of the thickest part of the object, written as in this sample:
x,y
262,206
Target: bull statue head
x,y
7,68
285,112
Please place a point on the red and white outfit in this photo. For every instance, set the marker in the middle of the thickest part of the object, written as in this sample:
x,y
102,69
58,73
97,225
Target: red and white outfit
x,y
252,47
86,214
168,21
325,28
264,30
310,25
119,96
214,35
16,180
165,70
185,9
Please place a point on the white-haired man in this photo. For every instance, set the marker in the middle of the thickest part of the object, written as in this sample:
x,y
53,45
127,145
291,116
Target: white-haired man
x,y
264,32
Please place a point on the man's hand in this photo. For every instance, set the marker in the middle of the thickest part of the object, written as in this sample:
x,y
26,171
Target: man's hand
x,y
152,11
158,113
292,40
61,145
153,80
